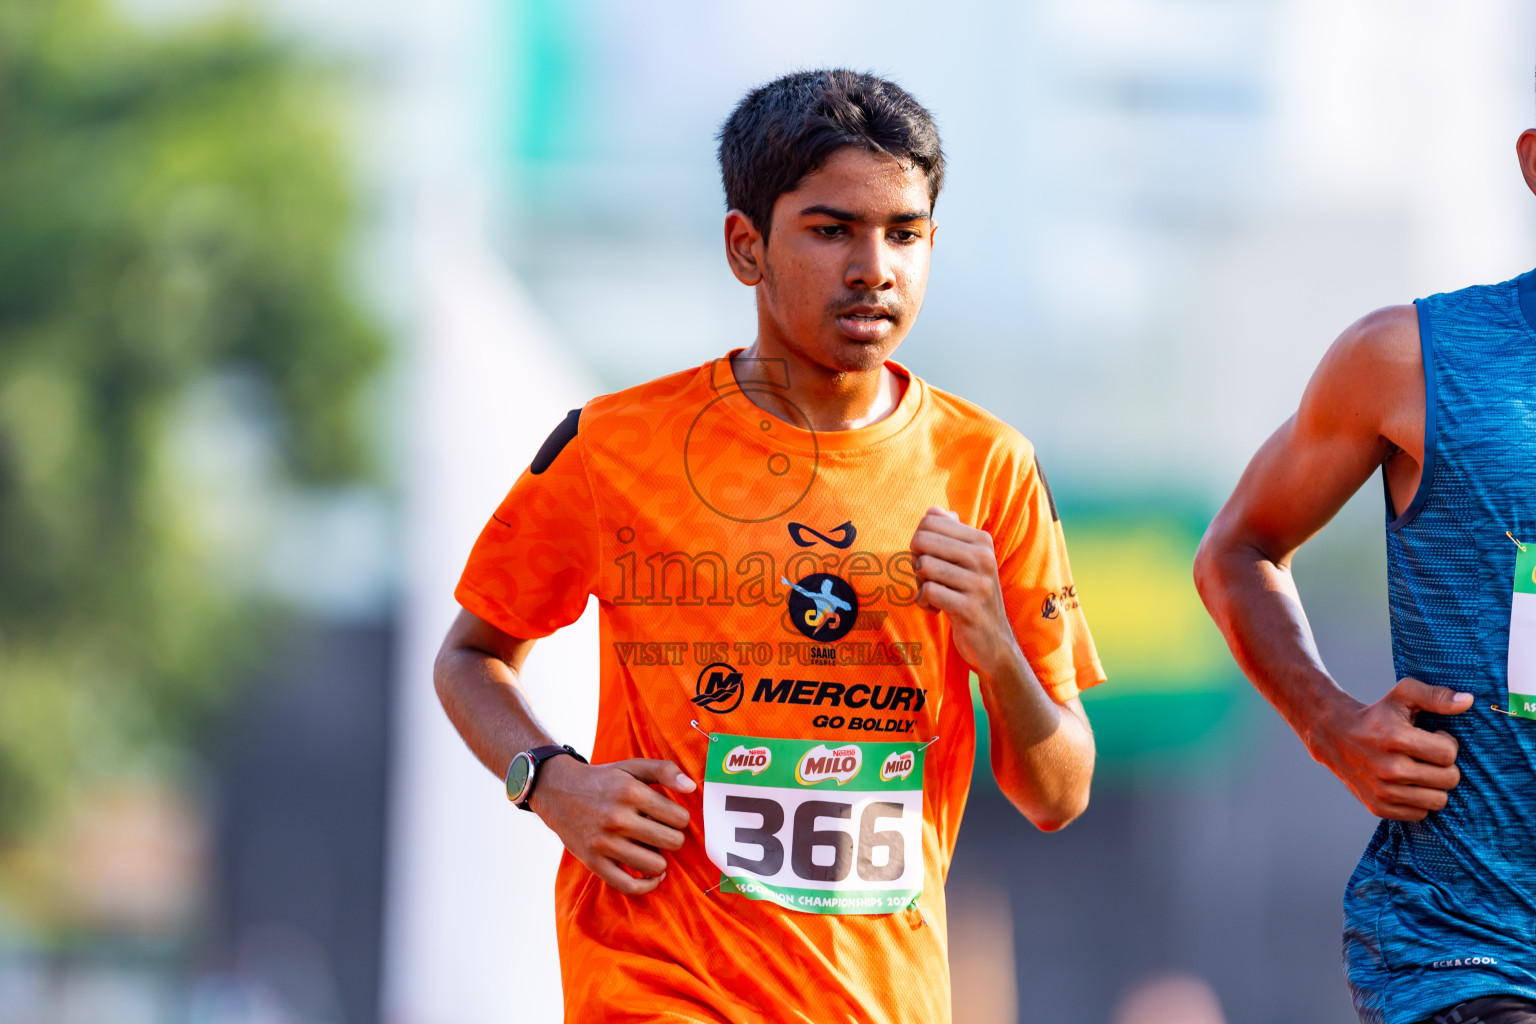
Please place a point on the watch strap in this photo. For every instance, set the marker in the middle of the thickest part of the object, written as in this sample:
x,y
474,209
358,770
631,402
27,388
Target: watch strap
x,y
536,757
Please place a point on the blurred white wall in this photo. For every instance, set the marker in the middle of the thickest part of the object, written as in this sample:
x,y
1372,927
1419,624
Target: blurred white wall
x,y
470,903
469,933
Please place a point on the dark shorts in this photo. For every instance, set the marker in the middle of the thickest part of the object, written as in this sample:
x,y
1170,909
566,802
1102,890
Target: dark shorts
x,y
1488,1010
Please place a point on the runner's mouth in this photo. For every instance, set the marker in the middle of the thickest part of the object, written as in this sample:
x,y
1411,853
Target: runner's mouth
x,y
866,325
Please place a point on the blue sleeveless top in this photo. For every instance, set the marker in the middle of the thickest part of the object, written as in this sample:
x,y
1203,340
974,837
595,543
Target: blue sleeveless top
x,y
1444,910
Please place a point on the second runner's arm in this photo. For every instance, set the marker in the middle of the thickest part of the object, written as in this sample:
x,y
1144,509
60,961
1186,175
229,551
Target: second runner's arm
x,y
1364,405
607,815
1042,752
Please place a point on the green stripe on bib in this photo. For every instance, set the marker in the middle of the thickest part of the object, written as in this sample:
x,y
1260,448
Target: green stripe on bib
x,y
1525,570
1522,635
817,764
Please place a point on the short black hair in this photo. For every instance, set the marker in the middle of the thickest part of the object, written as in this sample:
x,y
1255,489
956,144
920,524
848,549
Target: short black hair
x,y
785,130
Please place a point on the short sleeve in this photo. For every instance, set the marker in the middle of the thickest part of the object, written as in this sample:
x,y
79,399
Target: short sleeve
x,y
535,563
1038,591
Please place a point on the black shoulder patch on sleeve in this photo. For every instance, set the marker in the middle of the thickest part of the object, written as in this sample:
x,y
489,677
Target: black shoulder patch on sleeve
x,y
555,443
1048,495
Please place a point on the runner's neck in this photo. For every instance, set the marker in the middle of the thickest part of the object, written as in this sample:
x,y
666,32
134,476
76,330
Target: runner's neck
x,y
830,400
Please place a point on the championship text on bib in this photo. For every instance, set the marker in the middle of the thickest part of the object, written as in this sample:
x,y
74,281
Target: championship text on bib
x,y
820,827
1522,635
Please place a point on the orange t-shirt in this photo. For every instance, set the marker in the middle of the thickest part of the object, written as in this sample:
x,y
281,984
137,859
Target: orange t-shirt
x,y
695,517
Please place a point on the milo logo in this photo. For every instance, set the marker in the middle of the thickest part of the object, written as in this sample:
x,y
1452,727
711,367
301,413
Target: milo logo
x,y
897,766
821,763
747,759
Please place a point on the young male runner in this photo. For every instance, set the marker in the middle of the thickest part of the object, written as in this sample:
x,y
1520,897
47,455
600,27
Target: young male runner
x,y
801,551
1440,915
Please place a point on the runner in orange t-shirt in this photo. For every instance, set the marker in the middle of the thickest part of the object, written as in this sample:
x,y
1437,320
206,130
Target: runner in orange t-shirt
x,y
801,552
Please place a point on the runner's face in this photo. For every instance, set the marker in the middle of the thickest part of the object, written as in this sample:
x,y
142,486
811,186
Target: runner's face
x,y
846,264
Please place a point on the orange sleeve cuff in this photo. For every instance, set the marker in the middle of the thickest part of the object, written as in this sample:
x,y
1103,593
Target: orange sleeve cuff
x,y
1064,690
476,603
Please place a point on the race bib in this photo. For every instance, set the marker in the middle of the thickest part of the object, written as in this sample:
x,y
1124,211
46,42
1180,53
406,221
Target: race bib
x,y
819,827
1522,635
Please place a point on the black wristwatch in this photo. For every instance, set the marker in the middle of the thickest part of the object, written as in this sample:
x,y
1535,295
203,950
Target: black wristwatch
x,y
524,770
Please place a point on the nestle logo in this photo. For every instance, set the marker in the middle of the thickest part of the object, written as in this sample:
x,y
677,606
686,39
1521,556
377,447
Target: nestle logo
x,y
821,763
747,759
898,766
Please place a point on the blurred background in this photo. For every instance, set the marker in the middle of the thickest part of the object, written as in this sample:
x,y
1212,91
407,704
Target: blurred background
x,y
291,290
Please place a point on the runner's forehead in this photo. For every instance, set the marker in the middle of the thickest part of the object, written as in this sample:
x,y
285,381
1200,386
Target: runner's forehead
x,y
857,186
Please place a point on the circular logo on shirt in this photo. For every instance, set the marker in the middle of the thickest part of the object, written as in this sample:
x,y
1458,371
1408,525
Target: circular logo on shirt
x,y
823,606
747,470
719,688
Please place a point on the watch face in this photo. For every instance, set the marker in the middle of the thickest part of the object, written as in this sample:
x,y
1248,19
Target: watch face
x,y
517,775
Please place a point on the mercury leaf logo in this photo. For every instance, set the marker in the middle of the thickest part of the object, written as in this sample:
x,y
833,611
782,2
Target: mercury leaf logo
x,y
719,688
747,759
821,763
898,765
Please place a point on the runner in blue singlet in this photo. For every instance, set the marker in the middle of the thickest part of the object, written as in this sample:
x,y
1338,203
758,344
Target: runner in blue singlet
x,y
1440,914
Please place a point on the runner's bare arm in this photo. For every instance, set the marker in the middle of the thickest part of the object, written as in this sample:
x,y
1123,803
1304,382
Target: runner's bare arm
x,y
1363,407
607,815
1042,752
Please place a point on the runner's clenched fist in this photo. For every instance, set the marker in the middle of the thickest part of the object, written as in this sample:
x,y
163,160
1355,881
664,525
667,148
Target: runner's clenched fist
x,y
957,575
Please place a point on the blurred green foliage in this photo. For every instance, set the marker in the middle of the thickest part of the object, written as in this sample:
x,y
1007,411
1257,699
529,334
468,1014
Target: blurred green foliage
x,y
175,207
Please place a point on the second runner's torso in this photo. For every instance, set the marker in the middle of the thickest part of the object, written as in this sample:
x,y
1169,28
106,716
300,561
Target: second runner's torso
x,y
1444,910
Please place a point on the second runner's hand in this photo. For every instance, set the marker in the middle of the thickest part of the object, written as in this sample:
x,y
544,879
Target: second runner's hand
x,y
1393,767
611,819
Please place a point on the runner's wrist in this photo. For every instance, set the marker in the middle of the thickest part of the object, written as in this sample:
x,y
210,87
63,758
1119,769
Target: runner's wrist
x,y
1323,720
549,787
1004,663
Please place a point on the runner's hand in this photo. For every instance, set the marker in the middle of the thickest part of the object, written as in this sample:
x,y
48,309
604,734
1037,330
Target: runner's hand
x,y
611,819
1394,768
957,575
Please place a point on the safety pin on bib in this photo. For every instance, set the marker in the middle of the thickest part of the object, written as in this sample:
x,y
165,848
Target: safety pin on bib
x,y
1516,543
